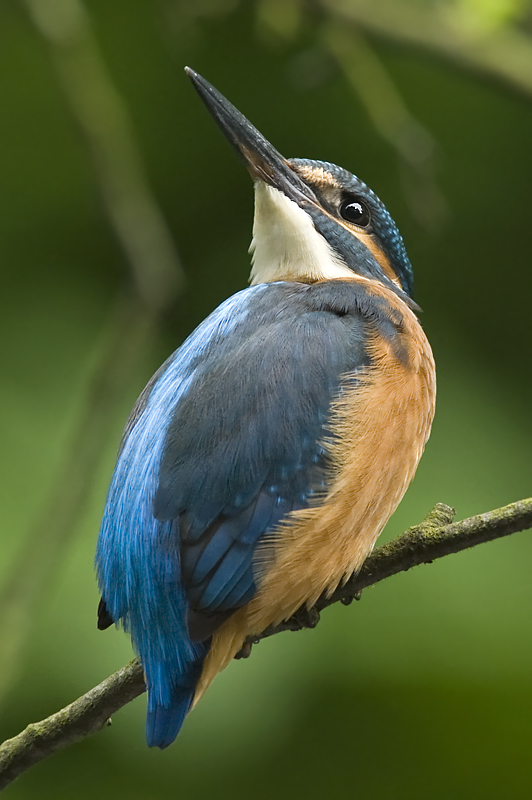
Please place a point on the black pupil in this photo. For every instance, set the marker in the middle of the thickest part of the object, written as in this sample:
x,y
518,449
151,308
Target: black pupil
x,y
355,211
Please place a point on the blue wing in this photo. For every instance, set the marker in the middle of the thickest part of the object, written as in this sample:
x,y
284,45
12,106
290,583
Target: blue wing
x,y
243,447
223,443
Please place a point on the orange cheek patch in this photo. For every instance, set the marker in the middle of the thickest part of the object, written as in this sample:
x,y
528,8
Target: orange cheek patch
x,y
369,242
319,178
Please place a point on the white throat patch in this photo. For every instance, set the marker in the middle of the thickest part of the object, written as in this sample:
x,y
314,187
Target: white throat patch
x,y
286,245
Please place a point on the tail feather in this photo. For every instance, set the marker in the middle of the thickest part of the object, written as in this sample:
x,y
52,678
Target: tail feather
x,y
164,723
166,716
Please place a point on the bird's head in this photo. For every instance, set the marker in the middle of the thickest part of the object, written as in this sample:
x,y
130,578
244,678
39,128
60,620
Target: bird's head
x,y
313,220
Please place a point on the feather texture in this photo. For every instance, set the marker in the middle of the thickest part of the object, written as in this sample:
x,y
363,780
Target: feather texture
x,y
379,428
226,442
264,457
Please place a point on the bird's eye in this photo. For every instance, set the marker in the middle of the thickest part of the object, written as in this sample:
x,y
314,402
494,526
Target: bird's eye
x,y
355,211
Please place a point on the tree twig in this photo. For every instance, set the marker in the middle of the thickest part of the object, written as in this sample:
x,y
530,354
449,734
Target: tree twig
x,y
502,53
86,715
413,143
104,121
437,536
155,277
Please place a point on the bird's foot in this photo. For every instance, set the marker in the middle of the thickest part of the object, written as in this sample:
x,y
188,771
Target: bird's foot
x,y
303,618
346,601
245,650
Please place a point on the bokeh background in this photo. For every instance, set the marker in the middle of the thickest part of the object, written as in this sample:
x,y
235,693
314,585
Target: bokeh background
x,y
110,167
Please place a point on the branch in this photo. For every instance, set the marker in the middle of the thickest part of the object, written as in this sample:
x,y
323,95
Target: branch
x,y
155,278
502,52
86,715
437,536
105,124
375,88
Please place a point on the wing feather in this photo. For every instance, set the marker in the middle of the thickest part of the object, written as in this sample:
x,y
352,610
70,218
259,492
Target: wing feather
x,y
244,446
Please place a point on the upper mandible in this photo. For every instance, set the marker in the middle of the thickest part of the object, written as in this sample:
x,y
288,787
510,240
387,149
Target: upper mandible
x,y
313,220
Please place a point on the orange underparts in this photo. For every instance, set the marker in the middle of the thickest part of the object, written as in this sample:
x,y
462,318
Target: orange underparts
x,y
380,425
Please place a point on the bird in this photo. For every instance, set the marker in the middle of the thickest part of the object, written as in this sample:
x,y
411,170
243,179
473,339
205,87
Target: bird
x,y
265,456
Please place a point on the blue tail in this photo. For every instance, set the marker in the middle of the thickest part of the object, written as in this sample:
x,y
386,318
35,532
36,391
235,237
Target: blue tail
x,y
163,722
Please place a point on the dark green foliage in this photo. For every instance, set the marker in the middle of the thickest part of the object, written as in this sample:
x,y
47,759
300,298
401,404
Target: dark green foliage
x,y
421,690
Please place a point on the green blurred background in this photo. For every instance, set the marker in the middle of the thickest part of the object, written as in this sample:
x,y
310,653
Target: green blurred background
x,y
424,689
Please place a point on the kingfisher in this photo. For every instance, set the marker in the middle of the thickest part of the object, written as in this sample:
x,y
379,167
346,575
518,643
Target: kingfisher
x,y
265,456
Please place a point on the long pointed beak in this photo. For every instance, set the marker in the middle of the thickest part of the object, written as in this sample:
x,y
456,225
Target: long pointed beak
x,y
263,161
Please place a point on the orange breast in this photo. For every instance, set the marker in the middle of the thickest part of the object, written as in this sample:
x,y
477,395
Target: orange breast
x,y
379,432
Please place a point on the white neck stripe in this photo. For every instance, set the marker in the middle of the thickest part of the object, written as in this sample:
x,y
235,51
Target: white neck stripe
x,y
286,245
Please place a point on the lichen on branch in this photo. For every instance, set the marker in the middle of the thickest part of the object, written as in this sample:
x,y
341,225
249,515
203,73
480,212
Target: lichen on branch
x,y
437,536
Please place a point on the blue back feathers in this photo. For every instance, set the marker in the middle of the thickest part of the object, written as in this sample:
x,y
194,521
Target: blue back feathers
x,y
224,442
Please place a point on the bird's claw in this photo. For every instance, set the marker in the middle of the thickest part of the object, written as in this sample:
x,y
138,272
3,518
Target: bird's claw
x,y
245,650
304,618
346,601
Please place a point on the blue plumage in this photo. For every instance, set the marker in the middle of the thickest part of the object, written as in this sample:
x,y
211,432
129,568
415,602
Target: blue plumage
x,y
163,722
138,558
233,432
225,442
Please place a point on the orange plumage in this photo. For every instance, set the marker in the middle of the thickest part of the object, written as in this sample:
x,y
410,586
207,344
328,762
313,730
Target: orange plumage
x,y
265,457
379,433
